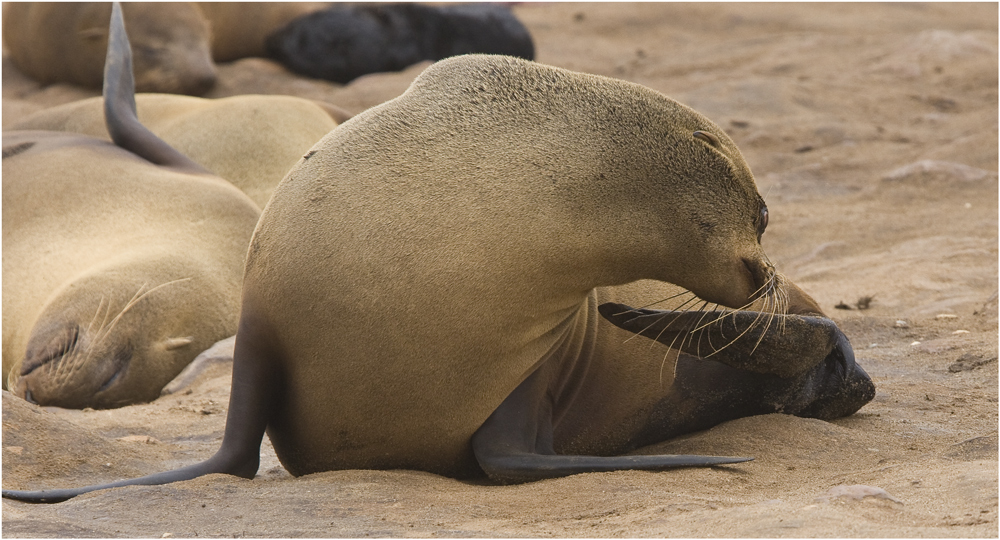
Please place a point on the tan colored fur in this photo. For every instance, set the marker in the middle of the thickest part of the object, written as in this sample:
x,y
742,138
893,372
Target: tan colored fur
x,y
240,28
438,248
252,141
66,42
87,227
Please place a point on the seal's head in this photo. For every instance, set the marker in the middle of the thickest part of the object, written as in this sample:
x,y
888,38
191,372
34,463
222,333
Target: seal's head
x,y
708,222
170,46
116,335
602,181
653,187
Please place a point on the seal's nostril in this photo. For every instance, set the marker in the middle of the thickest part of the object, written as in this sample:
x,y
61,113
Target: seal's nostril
x,y
29,398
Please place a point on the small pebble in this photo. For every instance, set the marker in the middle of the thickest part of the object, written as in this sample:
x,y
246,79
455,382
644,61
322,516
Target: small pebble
x,y
960,332
902,324
946,316
915,343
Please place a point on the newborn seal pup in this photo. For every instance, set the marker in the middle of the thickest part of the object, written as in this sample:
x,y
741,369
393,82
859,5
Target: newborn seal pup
x,y
422,291
122,261
66,42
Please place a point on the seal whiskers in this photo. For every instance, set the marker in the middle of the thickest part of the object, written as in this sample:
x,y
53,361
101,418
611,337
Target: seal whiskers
x,y
167,221
136,298
693,300
400,311
770,297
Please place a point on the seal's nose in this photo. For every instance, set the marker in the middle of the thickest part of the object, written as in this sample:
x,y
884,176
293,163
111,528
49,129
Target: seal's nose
x,y
759,276
49,346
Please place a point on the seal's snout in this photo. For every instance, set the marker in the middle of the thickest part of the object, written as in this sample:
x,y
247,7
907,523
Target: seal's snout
x,y
64,367
192,83
52,346
762,278
748,279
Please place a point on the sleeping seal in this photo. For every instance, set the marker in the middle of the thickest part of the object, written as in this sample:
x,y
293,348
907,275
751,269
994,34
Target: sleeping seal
x,y
66,42
423,289
122,261
344,42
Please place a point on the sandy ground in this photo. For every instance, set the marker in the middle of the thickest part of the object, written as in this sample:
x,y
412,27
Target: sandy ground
x,y
872,130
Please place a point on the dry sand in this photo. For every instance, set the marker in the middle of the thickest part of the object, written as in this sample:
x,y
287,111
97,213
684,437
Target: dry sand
x,y
872,130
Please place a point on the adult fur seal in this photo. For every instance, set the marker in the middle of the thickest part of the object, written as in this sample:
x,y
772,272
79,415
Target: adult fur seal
x,y
422,291
252,141
66,42
121,261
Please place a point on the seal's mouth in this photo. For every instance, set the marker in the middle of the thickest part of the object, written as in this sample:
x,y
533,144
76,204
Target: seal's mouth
x,y
761,278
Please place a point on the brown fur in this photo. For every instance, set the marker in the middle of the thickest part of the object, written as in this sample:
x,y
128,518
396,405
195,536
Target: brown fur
x,y
252,141
66,42
87,227
453,236
240,28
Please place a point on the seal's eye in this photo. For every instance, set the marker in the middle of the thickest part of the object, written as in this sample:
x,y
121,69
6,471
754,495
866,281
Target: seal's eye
x,y
707,137
761,221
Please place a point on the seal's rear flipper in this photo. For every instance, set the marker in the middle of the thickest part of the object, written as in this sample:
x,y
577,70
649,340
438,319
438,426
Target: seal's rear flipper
x,y
254,383
119,105
60,495
778,344
515,443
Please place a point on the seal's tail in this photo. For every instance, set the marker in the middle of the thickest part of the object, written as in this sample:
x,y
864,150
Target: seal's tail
x,y
119,105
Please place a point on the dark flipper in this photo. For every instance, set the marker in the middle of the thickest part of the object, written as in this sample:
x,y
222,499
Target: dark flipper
x,y
254,388
706,393
515,443
60,495
253,384
783,345
119,105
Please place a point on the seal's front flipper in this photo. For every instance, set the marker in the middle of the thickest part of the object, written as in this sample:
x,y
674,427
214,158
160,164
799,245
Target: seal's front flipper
x,y
515,443
782,345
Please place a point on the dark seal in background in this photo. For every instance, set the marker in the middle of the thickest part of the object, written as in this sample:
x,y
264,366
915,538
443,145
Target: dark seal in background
x,y
342,43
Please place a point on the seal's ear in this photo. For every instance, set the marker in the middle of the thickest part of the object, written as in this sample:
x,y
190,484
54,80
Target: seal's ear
x,y
710,138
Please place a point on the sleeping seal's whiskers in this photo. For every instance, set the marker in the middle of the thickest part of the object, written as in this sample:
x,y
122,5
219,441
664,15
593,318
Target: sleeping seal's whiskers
x,y
105,329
